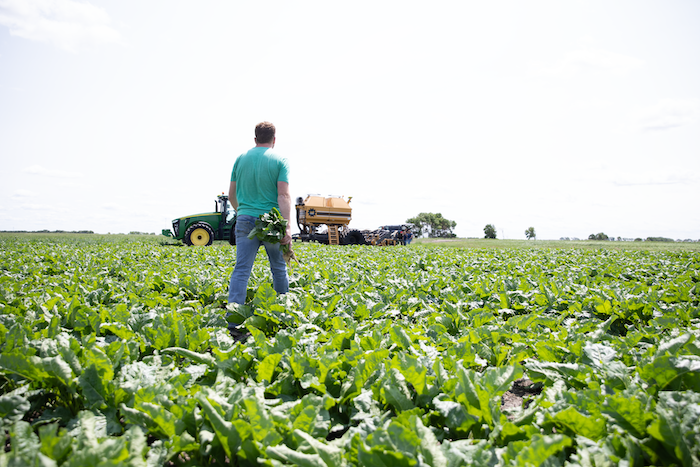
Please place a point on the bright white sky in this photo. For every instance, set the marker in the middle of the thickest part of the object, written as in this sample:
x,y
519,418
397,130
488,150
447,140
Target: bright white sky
x,y
573,117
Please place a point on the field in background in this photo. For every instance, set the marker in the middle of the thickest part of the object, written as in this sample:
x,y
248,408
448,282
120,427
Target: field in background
x,y
559,244
448,243
465,352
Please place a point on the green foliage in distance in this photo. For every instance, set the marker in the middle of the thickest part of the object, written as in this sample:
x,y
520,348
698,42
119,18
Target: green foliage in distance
x,y
659,239
598,236
530,233
118,354
432,225
490,231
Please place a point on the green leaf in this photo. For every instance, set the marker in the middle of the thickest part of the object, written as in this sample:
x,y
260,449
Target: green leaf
x,y
165,421
470,394
394,391
55,442
599,355
269,227
183,443
164,337
58,368
310,416
389,447
139,418
456,417
197,357
429,447
466,453
399,336
604,307
667,371
13,407
572,373
591,427
93,388
537,450
676,425
629,413
294,457
364,370
238,313
267,367
413,371
331,455
28,366
673,346
265,296
25,448
15,337
263,428
499,380
225,430
97,357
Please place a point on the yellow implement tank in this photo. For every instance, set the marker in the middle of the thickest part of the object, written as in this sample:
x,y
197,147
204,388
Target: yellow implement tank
x,y
317,210
334,212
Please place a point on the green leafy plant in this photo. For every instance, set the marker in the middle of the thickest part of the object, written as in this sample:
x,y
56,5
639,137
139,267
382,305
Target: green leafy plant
x,y
271,227
119,353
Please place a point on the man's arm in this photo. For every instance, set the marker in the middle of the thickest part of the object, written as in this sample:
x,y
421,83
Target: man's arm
x,y
284,199
232,195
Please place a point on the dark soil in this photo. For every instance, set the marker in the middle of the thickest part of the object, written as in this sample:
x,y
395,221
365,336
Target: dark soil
x,y
520,394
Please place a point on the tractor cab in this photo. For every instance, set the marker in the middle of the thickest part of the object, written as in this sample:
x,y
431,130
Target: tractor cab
x,y
204,228
224,207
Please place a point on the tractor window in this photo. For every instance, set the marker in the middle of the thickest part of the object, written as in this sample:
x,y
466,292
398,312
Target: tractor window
x,y
230,213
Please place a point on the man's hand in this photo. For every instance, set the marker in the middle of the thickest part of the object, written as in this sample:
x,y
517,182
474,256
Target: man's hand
x,y
287,239
284,199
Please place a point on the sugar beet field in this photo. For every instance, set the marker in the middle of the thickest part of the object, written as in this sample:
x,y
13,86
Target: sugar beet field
x,y
115,352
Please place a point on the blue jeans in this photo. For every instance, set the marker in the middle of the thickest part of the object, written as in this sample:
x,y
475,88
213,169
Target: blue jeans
x,y
246,251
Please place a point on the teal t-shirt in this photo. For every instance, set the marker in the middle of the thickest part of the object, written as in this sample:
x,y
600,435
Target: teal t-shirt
x,y
256,174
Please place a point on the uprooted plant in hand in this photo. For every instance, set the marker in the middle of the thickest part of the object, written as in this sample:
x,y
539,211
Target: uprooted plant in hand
x,y
271,227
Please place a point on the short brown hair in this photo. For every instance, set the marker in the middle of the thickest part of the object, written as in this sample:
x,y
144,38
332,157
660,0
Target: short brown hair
x,y
264,132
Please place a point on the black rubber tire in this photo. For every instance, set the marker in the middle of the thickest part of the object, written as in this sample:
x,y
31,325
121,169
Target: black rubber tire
x,y
320,238
354,237
199,234
232,236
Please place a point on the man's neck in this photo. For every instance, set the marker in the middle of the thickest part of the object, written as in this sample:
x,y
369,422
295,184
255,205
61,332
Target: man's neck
x,y
271,144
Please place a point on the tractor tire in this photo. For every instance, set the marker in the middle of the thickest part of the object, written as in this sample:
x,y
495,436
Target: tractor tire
x,y
354,237
232,235
199,234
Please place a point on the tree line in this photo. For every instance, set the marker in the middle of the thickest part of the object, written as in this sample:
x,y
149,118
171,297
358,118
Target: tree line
x,y
434,225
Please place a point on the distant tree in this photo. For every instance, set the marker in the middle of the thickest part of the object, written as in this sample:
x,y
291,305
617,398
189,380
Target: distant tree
x,y
598,236
530,233
659,239
432,225
490,231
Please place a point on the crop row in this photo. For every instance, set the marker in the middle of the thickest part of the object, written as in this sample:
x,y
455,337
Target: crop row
x,y
118,354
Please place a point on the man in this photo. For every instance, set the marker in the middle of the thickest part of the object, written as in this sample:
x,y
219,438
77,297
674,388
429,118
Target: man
x,y
409,237
259,182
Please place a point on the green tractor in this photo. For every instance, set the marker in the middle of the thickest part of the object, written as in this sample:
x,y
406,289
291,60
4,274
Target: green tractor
x,y
203,229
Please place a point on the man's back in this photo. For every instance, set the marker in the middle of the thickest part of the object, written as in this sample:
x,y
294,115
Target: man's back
x,y
256,174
